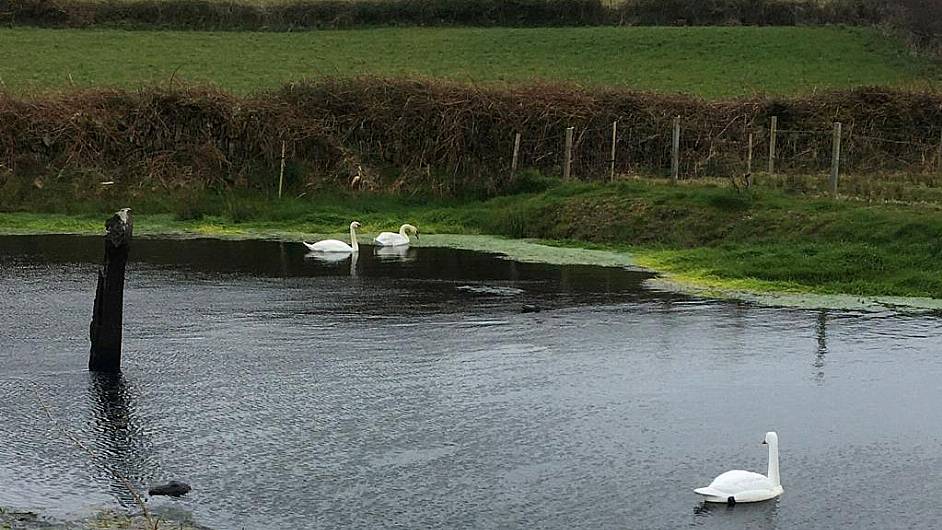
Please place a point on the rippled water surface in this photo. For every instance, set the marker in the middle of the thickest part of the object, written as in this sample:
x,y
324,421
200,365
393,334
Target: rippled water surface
x,y
410,390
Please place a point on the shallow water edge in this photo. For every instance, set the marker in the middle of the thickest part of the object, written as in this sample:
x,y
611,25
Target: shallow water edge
x,y
535,251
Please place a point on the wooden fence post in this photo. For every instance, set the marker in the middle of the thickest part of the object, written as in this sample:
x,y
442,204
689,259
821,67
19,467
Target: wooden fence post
x,y
513,163
108,312
567,154
939,156
628,152
675,151
749,156
611,171
773,134
835,157
281,173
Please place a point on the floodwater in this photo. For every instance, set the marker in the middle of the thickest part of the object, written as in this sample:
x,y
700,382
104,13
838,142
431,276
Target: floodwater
x,y
410,390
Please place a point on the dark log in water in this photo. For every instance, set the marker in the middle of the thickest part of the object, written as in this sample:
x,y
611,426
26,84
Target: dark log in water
x,y
171,489
105,329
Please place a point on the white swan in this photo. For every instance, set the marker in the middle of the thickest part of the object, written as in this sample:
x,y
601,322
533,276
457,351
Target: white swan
x,y
389,239
333,245
745,486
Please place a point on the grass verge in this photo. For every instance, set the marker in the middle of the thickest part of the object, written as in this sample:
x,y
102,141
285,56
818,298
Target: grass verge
x,y
703,235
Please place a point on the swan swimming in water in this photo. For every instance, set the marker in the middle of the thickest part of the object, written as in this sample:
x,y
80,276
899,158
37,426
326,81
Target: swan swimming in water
x,y
334,245
745,486
389,239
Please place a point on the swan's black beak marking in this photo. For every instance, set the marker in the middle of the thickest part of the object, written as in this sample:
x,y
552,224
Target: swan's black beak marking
x,y
764,442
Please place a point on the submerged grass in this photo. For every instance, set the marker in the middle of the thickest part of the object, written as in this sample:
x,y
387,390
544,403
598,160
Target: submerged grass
x,y
708,61
705,235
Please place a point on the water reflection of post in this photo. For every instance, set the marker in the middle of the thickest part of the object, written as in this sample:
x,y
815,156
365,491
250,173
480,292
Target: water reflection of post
x,y
565,278
120,442
820,331
284,259
514,273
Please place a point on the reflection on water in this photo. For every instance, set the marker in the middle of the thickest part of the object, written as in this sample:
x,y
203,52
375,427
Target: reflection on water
x,y
820,331
417,394
335,259
120,438
332,257
287,260
400,253
754,515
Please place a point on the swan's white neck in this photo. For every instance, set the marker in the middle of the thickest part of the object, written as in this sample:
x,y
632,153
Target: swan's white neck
x,y
773,463
353,239
402,231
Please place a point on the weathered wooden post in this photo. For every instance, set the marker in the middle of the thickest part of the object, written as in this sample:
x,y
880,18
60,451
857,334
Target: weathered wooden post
x,y
773,133
281,172
939,155
675,151
105,329
835,158
567,154
611,171
749,157
513,163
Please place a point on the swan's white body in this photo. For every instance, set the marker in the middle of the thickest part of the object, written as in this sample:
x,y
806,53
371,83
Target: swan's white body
x,y
746,486
390,239
334,245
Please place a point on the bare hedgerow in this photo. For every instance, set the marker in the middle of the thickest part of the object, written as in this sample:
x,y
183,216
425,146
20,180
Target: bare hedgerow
x,y
923,18
418,134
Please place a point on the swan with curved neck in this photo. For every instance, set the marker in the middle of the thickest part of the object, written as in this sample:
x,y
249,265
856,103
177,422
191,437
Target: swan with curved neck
x,y
390,239
745,486
334,245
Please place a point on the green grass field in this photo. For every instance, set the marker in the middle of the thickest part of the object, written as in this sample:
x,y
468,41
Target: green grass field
x,y
709,61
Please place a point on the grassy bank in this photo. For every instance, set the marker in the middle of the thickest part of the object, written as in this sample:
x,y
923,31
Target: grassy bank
x,y
707,61
708,236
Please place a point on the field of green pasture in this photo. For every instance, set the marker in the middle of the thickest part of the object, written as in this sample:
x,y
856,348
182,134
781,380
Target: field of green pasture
x,y
714,62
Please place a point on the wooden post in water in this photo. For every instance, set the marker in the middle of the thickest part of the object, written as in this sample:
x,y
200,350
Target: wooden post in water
x,y
107,315
281,173
611,171
835,158
675,151
773,133
567,154
513,163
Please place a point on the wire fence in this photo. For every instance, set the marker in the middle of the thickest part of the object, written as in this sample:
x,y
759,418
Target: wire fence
x,y
607,152
867,160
